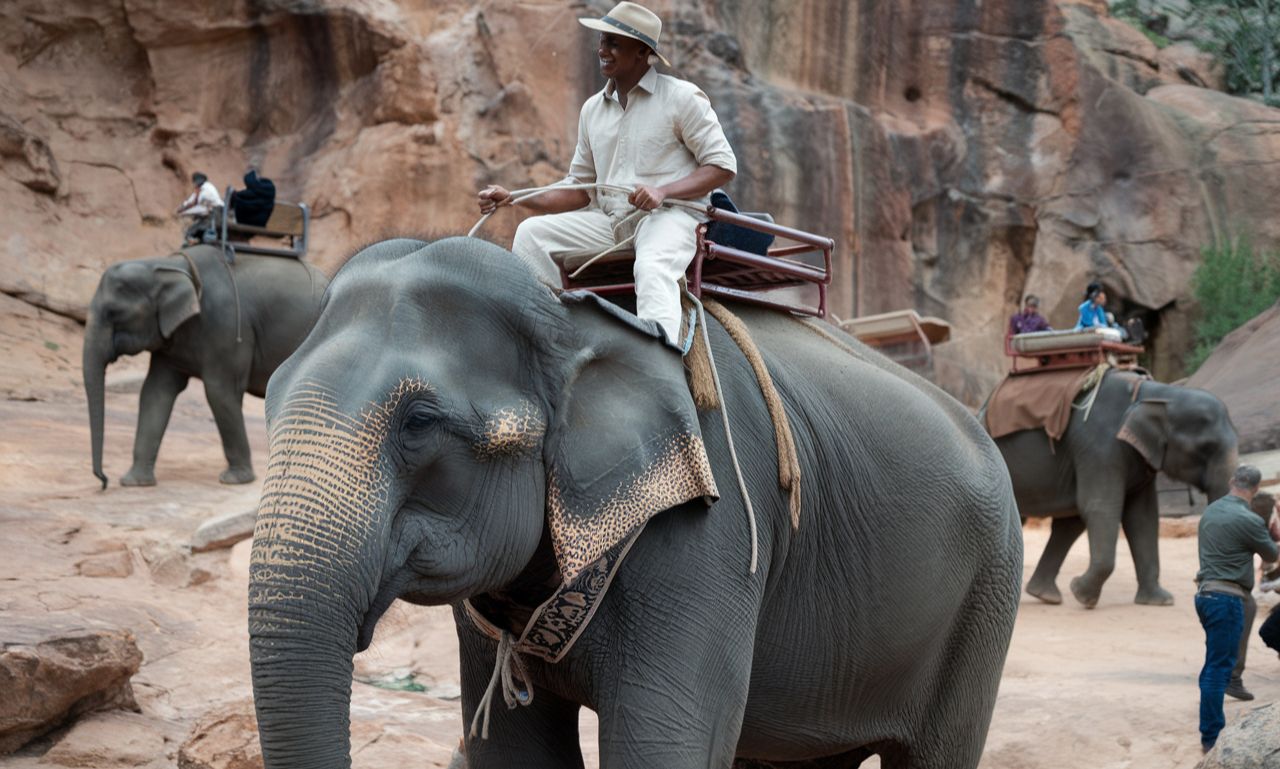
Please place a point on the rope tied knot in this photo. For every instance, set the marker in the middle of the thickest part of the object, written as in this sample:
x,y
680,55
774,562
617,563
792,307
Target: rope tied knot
x,y
507,668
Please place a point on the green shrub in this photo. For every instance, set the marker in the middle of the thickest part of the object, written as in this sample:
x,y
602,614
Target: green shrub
x,y
1231,286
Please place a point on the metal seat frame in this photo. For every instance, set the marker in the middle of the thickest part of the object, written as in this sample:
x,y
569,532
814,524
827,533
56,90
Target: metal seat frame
x,y
722,271
1072,357
297,240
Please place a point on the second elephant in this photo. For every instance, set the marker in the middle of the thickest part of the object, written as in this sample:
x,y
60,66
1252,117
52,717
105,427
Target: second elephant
x,y
1101,476
199,316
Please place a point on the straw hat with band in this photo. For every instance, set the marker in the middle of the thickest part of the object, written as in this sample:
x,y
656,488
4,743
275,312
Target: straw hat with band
x,y
633,21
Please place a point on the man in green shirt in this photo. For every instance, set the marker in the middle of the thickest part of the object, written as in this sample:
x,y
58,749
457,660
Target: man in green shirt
x,y
1229,535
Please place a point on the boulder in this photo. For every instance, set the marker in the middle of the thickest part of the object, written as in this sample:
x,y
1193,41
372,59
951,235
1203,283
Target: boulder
x,y
223,531
224,738
56,667
1248,742
1244,371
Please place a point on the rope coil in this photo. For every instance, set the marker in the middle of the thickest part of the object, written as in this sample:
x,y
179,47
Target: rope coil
x,y
507,667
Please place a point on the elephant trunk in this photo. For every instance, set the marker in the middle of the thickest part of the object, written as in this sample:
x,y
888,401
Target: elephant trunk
x,y
314,573
96,355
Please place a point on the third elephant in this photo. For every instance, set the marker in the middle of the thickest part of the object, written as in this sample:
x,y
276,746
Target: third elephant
x,y
199,316
1101,477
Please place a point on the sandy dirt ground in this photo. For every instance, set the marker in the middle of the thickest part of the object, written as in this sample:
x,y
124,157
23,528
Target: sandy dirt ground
x,y
1111,688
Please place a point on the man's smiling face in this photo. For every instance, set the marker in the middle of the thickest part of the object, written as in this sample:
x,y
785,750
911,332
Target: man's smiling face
x,y
621,57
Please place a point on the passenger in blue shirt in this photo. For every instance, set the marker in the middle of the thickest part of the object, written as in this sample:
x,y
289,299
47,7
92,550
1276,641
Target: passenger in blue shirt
x,y
1093,312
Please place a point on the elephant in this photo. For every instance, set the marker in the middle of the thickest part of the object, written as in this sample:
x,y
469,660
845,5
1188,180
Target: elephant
x,y
455,432
1101,476
199,316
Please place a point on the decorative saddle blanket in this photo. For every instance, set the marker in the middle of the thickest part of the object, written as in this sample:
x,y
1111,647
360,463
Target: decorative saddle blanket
x,y
1038,401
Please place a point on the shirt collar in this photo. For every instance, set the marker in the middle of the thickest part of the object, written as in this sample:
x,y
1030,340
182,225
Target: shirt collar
x,y
648,83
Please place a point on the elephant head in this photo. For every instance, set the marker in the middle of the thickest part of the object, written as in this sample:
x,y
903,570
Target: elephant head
x,y
138,306
450,428
1185,433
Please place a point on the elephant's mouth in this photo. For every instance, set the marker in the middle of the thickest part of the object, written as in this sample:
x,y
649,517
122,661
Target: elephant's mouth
x,y
388,592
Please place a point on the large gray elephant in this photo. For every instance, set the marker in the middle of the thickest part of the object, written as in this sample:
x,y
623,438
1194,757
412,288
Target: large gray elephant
x,y
455,432
1101,476
199,317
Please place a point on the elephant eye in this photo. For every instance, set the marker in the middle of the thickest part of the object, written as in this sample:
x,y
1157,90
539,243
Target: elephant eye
x,y
419,417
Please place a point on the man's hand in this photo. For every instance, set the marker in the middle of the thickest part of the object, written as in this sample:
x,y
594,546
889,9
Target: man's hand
x,y
491,197
647,198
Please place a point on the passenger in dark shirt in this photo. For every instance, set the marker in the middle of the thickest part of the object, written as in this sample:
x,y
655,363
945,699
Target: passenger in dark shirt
x,y
1030,319
254,203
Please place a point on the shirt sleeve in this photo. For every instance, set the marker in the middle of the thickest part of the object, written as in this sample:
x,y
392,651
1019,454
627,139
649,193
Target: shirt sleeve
x,y
1260,540
700,131
582,170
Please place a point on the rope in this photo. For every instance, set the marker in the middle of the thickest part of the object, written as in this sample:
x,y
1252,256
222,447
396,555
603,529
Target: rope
x,y
195,275
1090,384
235,290
788,460
515,197
728,432
506,668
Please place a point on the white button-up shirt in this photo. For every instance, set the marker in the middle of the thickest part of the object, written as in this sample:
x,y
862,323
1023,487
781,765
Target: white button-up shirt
x,y
205,199
666,132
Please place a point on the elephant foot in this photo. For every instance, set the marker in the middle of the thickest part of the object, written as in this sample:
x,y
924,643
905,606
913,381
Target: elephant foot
x,y
1048,593
1156,596
137,477
1087,598
234,475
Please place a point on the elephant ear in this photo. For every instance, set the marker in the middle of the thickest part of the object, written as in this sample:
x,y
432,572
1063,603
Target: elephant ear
x,y
625,444
1146,429
177,299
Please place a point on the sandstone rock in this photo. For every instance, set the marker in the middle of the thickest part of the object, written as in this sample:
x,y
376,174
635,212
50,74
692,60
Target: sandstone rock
x,y
1195,66
116,564
960,154
1244,371
109,740
169,565
1248,742
223,531
27,158
55,667
224,738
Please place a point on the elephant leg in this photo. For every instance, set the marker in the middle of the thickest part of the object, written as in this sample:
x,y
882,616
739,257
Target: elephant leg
x,y
155,404
226,399
656,721
540,735
1103,526
1141,524
1062,535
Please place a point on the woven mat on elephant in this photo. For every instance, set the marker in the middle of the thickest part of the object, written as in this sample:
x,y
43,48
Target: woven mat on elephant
x,y
1038,401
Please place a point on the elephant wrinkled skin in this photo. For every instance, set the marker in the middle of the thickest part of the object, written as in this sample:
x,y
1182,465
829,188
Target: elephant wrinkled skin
x,y
197,321
449,413
1101,476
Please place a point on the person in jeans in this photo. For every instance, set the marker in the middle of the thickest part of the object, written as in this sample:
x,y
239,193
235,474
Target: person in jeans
x,y
1229,535
1264,505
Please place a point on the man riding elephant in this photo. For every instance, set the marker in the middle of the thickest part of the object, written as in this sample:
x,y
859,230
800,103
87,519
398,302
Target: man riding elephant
x,y
651,131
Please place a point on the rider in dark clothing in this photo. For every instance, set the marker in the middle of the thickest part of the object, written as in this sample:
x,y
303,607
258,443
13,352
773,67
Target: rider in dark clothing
x,y
254,203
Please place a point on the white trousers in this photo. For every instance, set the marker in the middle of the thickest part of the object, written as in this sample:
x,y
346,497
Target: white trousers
x,y
664,245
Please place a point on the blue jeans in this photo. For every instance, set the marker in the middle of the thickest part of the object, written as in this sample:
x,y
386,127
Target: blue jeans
x,y
1222,617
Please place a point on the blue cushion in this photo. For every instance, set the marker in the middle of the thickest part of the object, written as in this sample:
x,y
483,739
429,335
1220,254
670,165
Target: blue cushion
x,y
734,235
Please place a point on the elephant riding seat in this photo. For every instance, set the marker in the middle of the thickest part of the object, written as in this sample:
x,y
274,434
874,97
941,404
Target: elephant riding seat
x,y
1092,467
199,316
455,432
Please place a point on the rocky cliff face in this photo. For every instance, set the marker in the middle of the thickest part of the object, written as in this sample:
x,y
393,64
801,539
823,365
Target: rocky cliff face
x,y
962,153
1244,371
